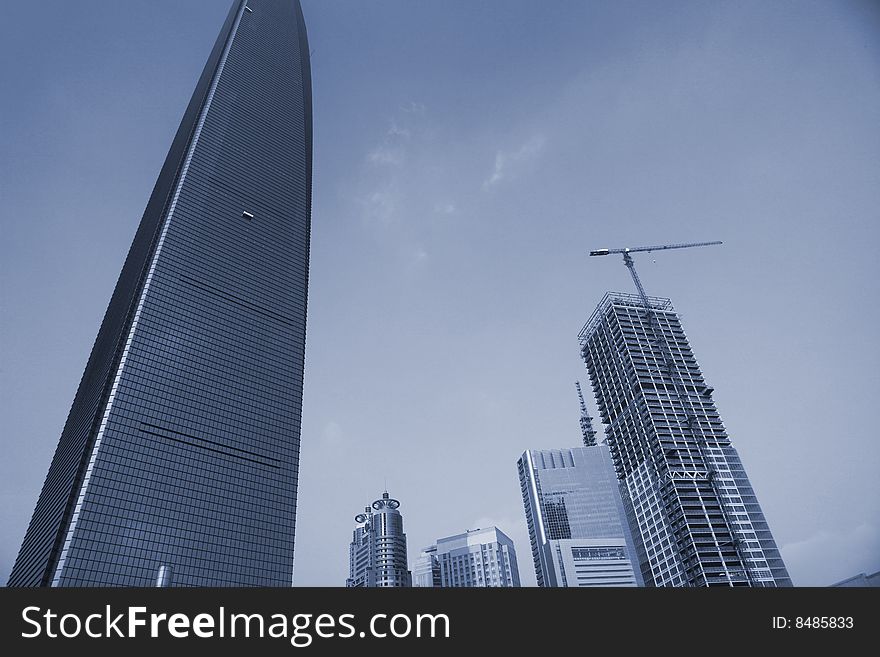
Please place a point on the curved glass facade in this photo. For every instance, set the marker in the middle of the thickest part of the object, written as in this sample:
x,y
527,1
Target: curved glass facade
x,y
178,463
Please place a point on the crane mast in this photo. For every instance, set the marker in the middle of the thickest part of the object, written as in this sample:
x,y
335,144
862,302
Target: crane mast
x,y
587,430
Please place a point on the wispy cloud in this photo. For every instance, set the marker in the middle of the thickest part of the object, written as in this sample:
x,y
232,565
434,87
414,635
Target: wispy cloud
x,y
507,162
386,180
332,433
380,205
444,208
392,151
397,131
413,107
386,154
418,254
402,192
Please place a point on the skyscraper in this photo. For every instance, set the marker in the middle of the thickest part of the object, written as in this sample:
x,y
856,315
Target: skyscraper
x,y
476,558
577,525
377,554
178,462
694,514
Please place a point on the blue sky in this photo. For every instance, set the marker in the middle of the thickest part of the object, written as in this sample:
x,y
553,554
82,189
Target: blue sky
x,y
467,157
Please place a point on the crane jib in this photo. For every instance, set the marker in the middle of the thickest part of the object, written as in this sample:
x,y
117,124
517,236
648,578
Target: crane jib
x,y
658,247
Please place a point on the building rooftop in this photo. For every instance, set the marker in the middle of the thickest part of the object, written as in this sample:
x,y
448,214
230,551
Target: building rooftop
x,y
619,299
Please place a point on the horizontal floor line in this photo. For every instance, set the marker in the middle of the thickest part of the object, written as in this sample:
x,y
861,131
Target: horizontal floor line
x,y
237,300
224,449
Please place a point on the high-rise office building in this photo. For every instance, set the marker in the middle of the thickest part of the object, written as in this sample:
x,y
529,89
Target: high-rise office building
x,y
577,525
694,514
377,554
476,558
178,462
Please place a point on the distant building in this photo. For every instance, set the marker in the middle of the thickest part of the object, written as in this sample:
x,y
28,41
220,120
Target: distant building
x,y
426,570
477,558
377,554
694,514
577,524
861,580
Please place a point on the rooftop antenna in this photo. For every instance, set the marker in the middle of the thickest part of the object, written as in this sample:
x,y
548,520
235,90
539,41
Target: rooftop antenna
x,y
587,430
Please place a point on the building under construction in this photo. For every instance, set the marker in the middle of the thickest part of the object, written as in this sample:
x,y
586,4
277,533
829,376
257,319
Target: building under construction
x,y
695,518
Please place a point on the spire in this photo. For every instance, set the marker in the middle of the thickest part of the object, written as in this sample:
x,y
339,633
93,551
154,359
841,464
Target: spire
x,y
587,430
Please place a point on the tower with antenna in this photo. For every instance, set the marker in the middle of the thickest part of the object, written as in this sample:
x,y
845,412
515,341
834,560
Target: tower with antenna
x,y
377,554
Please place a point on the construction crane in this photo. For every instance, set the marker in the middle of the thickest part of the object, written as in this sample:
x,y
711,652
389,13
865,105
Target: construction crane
x,y
587,430
691,424
628,261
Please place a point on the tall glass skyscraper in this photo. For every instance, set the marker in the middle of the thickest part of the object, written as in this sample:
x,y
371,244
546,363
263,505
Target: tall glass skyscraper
x,y
577,525
377,554
695,516
178,461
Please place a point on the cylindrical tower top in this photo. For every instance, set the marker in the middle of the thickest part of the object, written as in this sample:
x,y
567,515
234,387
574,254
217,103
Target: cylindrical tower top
x,y
386,502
